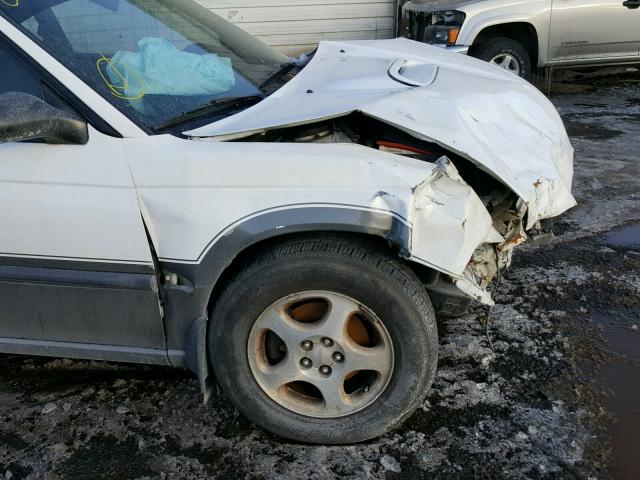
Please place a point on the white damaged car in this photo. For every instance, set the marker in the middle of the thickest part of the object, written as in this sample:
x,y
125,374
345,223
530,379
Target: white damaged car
x,y
177,193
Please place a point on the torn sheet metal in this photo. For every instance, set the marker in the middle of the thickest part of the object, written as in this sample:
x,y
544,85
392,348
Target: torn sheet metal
x,y
449,221
453,232
495,119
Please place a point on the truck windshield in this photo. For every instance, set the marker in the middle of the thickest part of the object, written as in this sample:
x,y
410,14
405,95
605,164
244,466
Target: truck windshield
x,y
155,60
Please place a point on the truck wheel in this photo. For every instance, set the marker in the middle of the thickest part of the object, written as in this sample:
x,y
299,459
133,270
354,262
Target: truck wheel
x,y
325,340
507,54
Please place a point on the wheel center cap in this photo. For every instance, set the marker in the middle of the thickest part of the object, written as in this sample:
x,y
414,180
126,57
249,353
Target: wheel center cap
x,y
321,351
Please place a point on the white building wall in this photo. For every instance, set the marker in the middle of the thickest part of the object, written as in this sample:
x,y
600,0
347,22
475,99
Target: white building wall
x,y
296,26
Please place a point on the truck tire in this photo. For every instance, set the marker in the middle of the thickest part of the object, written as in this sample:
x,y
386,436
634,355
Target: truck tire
x,y
507,54
324,340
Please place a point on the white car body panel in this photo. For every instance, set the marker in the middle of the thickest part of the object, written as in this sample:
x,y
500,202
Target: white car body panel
x,y
494,119
196,192
70,202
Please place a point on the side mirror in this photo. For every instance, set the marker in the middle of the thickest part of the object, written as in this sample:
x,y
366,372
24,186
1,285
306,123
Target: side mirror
x,y
25,117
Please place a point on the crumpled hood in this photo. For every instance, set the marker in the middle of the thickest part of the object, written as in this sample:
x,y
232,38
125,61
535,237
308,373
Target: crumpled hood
x,y
496,120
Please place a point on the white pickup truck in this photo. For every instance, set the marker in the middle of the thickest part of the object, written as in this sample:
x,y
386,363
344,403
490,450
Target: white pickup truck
x,y
520,35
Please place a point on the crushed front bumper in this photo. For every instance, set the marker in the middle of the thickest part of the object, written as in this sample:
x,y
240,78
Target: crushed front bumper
x,y
454,233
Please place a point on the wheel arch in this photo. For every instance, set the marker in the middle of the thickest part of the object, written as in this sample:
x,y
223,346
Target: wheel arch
x,y
523,32
188,304
427,275
255,248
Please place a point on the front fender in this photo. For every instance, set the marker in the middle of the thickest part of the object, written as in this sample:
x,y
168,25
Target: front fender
x,y
205,203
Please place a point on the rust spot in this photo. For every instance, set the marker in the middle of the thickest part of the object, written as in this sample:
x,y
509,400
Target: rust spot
x,y
537,183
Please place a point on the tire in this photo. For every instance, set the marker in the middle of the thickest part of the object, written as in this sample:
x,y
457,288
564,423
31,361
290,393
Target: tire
x,y
350,269
497,47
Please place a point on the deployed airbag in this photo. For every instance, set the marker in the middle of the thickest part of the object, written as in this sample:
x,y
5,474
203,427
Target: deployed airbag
x,y
153,70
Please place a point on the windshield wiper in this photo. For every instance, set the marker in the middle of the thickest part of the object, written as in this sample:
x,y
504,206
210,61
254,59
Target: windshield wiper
x,y
212,108
281,72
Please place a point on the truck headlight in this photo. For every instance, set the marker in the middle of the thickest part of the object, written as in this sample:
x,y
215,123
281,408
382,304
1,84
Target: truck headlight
x,y
440,28
445,35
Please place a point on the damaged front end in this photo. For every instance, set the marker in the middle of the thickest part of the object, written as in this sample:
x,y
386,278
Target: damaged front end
x,y
473,236
501,160
490,259
463,223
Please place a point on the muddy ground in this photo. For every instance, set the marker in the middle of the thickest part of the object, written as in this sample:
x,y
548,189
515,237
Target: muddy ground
x,y
546,384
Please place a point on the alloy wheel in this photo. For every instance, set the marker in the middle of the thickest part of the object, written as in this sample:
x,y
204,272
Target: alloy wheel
x,y
320,354
508,62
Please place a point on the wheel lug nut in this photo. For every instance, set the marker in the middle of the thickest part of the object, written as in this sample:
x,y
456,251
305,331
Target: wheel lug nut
x,y
338,357
327,342
307,345
325,370
306,363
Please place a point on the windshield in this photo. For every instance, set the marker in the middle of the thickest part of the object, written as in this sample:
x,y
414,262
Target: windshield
x,y
155,60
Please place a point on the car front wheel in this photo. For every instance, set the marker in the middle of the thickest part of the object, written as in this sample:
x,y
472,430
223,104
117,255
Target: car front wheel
x,y
324,340
507,54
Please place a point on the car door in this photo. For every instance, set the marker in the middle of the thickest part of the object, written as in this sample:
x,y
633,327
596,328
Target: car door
x,y
76,270
584,30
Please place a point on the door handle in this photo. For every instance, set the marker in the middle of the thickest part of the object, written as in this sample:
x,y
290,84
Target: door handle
x,y
632,4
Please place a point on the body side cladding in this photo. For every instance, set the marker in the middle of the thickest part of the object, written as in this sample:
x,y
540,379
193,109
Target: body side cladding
x,y
76,264
78,278
88,351
81,309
